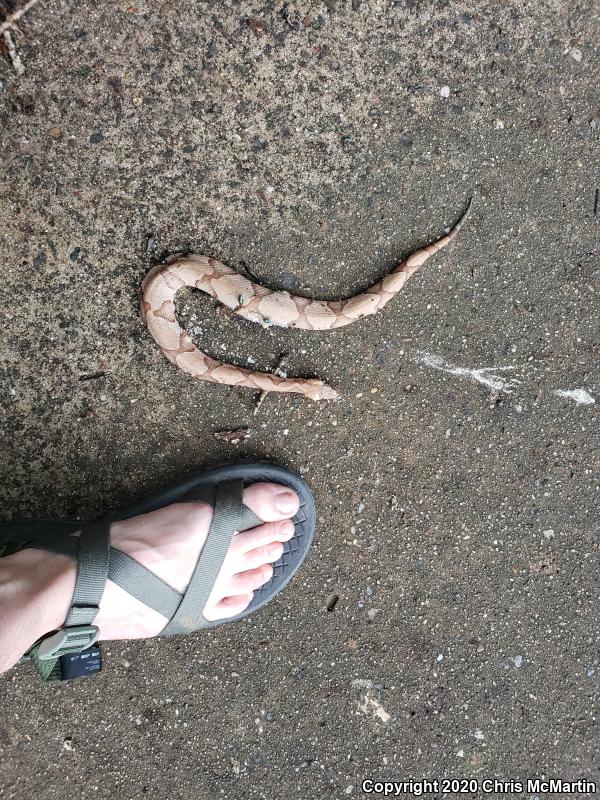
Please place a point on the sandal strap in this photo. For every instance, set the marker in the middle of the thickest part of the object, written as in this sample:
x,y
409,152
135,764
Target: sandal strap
x,y
146,586
248,519
78,633
93,558
141,583
224,524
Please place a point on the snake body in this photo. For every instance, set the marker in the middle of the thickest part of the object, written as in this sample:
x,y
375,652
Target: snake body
x,y
264,306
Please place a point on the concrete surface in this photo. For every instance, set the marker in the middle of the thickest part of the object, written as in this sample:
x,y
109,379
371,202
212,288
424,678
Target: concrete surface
x,y
314,143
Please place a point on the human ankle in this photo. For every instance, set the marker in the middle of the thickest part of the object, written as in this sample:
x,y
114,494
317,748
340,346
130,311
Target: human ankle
x,y
35,591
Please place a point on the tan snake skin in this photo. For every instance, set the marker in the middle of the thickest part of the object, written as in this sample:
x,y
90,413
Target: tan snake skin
x,y
264,306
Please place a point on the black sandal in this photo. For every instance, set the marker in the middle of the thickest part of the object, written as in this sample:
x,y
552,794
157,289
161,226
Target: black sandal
x,y
72,651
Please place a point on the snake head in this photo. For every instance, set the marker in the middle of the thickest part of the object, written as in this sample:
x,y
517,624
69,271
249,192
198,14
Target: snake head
x,y
318,390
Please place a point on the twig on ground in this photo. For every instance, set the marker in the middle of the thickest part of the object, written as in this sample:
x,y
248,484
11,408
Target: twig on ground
x,y
12,52
261,397
11,22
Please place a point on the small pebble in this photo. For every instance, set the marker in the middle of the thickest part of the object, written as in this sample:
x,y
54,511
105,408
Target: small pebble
x,y
479,735
576,54
349,789
590,672
445,91
511,661
55,132
96,138
440,657
499,124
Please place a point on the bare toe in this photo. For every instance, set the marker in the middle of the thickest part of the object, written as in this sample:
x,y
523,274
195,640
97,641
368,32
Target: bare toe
x,y
271,501
267,554
247,581
262,535
228,607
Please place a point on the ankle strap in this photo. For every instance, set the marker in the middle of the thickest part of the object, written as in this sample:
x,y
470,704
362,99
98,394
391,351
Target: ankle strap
x,y
78,633
93,557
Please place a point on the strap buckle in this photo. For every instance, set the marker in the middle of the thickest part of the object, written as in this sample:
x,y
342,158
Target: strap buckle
x,y
73,639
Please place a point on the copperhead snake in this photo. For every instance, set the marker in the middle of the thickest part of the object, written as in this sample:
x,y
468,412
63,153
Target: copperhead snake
x,y
264,306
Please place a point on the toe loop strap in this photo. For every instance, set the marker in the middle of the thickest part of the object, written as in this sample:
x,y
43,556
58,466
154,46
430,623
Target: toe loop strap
x,y
225,522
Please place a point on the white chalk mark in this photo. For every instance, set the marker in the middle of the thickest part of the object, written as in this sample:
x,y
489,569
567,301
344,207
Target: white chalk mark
x,y
484,375
580,396
371,707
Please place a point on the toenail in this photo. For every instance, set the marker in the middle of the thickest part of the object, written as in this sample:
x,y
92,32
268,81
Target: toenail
x,y
287,528
275,550
285,502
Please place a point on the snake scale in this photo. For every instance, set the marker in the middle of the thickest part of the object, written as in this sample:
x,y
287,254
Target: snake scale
x,y
264,306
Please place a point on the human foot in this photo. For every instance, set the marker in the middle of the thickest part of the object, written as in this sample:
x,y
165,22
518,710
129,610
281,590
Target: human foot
x,y
36,588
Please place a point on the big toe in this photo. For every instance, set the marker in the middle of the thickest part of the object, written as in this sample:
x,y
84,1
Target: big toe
x,y
271,501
